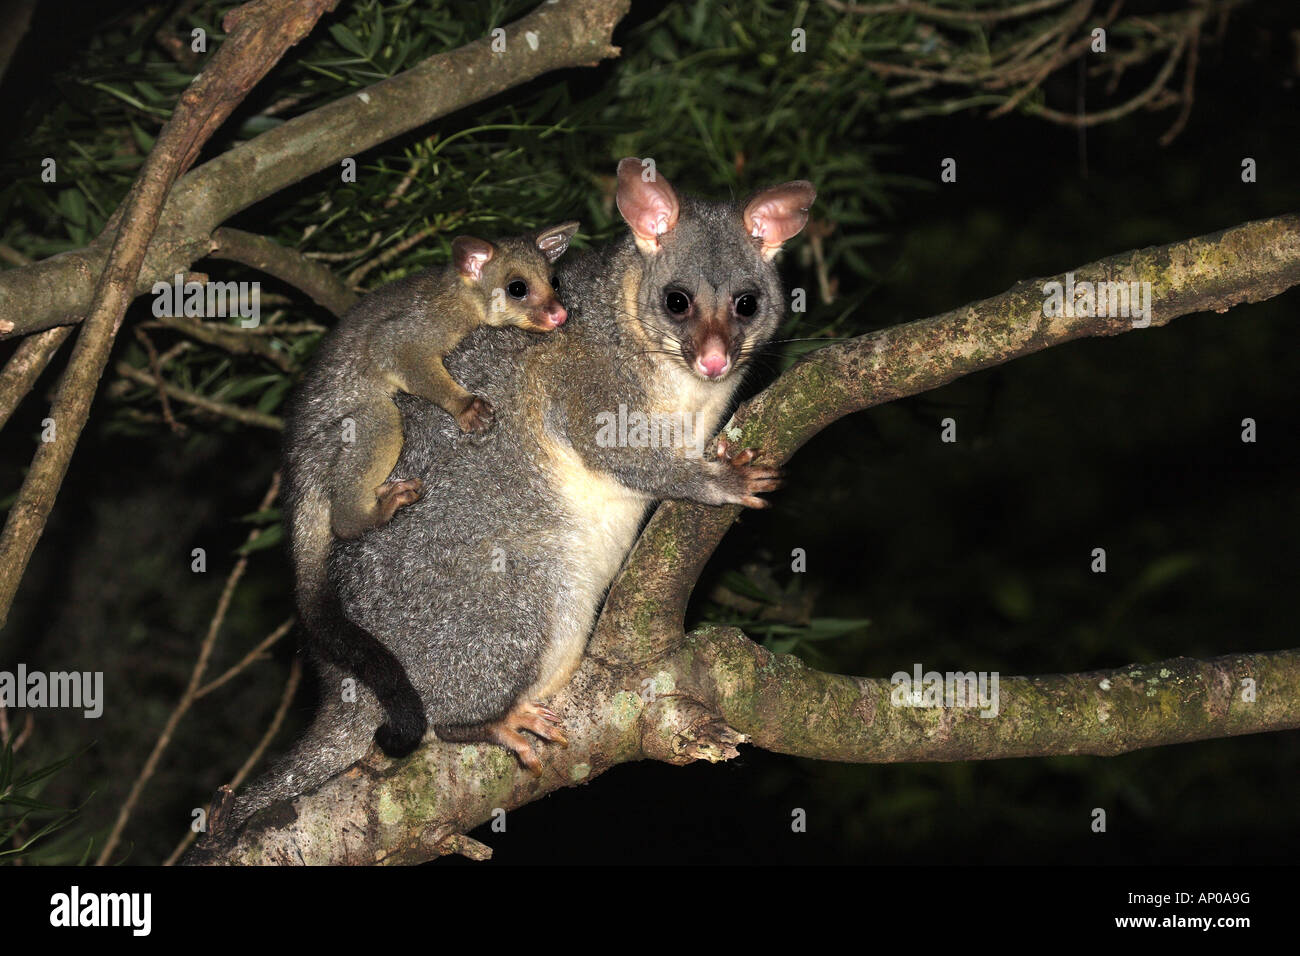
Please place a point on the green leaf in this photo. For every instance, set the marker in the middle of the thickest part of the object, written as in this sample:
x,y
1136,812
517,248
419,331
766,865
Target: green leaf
x,y
85,857
274,395
347,39
825,628
56,824
261,517
256,125
738,583
781,645
15,800
149,91
1011,596
37,775
73,205
376,36
238,388
269,538
1165,570
143,141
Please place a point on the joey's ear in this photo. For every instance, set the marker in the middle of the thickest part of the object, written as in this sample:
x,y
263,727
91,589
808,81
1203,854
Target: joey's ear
x,y
646,202
470,255
776,214
555,240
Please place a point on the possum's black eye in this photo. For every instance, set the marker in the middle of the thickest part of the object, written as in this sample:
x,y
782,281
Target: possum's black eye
x,y
677,303
517,289
555,283
746,305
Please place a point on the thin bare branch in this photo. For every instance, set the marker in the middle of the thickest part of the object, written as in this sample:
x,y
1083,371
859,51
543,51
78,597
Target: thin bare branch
x,y
287,265
277,721
573,33
264,645
257,35
246,416
361,271
25,366
191,689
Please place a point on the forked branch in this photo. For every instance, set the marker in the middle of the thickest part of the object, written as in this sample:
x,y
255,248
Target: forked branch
x,y
646,690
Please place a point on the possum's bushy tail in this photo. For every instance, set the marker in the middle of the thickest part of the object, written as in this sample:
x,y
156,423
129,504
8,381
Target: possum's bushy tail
x,y
334,638
357,651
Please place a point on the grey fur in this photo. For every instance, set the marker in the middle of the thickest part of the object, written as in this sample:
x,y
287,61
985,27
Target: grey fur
x,y
472,639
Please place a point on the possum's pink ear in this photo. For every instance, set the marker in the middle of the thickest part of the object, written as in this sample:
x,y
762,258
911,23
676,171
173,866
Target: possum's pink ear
x,y
776,214
552,242
646,202
470,255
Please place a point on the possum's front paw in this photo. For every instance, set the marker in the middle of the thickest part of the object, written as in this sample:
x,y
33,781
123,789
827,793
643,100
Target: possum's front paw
x,y
477,416
738,481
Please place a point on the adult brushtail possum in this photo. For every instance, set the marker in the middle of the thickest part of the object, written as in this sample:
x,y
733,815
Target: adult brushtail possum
x,y
343,432
487,587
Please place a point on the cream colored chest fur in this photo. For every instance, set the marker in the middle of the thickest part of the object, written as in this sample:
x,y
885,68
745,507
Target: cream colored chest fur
x,y
603,527
606,516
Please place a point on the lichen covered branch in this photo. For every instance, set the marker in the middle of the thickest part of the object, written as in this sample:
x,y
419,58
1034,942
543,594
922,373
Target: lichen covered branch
x,y
718,689
1248,263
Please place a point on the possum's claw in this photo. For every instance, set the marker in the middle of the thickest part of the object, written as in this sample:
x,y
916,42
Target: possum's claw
x,y
527,715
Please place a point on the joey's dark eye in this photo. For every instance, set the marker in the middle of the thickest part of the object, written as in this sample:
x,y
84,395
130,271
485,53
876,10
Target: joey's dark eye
x,y
746,305
677,303
517,289
555,283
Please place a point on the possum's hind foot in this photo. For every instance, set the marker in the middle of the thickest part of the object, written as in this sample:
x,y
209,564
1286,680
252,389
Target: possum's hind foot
x,y
477,416
525,715
393,495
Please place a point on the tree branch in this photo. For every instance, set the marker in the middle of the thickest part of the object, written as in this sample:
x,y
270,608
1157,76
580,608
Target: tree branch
x,y
287,265
31,357
646,691
566,34
717,689
785,706
25,367
258,34
246,416
646,607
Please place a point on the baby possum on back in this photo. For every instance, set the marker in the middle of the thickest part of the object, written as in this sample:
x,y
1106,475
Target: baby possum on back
x,y
343,433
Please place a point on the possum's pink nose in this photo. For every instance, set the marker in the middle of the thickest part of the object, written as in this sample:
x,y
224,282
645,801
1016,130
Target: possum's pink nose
x,y
555,314
712,362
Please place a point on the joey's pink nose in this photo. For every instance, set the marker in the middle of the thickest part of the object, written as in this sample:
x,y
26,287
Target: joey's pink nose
x,y
712,363
555,314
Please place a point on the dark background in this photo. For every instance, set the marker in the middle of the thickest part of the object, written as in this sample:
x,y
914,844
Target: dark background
x,y
972,555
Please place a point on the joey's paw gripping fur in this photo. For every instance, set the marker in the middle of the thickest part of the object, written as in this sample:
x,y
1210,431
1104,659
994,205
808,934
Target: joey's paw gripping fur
x,y
394,495
478,415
